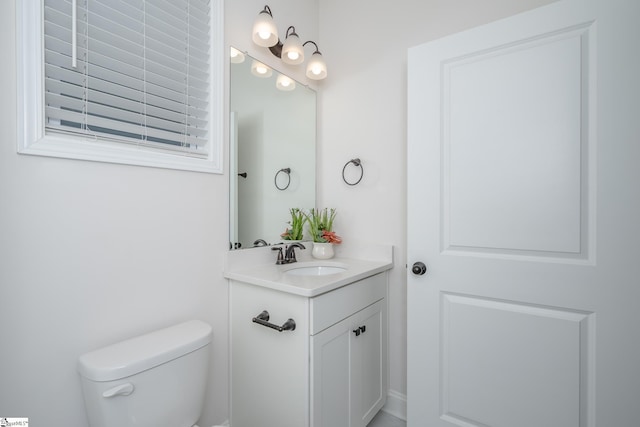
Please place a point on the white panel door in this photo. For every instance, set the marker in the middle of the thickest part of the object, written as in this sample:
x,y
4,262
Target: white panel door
x,y
523,203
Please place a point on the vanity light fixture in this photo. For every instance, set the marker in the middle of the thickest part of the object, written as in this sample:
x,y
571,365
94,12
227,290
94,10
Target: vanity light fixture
x,y
260,70
265,34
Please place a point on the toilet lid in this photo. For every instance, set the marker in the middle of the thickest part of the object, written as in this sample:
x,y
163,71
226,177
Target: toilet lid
x,y
144,352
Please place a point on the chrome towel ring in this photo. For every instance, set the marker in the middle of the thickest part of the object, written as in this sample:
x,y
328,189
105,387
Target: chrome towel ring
x,y
356,163
287,171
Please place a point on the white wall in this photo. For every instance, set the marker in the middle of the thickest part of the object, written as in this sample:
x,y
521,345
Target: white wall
x,y
363,114
92,253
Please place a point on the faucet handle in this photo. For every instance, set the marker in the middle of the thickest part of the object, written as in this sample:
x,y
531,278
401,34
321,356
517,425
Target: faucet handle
x,y
280,259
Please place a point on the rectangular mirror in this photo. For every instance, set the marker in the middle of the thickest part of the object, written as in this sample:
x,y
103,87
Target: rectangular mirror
x,y
272,151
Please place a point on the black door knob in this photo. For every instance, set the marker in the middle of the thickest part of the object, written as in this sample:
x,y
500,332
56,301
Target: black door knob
x,y
419,268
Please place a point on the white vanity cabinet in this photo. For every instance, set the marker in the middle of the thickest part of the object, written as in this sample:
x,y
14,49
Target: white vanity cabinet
x,y
330,371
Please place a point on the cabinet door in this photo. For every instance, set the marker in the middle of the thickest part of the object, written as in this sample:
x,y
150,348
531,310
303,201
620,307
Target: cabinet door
x,y
348,383
368,364
331,375
269,369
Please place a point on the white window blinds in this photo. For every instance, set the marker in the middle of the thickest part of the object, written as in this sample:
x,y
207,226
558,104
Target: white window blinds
x,y
142,73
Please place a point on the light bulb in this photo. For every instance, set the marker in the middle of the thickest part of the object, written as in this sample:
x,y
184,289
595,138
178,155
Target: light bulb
x,y
264,31
292,50
316,69
260,70
236,57
285,83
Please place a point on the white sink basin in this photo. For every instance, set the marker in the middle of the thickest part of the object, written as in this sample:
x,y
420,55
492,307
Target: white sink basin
x,y
306,269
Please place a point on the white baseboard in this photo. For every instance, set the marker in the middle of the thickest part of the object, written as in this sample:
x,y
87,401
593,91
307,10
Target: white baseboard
x,y
396,404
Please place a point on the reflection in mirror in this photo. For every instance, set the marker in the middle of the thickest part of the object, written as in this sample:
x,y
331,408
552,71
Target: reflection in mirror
x,y
272,152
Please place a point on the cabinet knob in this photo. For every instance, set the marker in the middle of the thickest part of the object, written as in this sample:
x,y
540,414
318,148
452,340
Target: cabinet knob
x,y
360,330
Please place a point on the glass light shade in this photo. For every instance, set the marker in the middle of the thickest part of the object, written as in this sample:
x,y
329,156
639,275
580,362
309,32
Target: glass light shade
x,y
316,68
265,32
285,83
260,70
292,50
235,56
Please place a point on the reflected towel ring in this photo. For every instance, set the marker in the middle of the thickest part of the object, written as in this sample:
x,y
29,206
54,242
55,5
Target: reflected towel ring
x,y
356,162
275,180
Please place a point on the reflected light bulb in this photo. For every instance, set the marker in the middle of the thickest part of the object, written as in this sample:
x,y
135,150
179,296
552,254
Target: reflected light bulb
x,y
235,56
285,83
261,69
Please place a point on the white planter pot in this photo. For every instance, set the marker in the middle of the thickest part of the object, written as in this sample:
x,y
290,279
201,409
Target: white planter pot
x,y
322,250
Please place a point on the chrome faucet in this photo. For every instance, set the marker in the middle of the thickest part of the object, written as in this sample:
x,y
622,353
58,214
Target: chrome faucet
x,y
290,253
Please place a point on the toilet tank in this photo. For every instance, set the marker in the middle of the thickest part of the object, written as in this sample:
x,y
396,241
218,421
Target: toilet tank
x,y
155,380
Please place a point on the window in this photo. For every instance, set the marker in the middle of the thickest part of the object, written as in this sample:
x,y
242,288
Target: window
x,y
135,82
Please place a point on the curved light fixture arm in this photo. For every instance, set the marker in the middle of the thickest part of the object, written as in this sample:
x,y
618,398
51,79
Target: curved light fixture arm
x,y
293,33
314,43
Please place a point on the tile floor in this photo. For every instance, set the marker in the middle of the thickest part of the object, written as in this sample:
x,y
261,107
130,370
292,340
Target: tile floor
x,y
382,419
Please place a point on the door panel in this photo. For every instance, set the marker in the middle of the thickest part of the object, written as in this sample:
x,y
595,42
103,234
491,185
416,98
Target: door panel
x,y
519,153
529,357
523,202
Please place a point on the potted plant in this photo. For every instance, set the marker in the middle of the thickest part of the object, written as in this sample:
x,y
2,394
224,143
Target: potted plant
x,y
296,232
322,233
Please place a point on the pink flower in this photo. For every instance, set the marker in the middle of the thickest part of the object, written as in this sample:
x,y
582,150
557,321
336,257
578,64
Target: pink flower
x,y
331,237
286,233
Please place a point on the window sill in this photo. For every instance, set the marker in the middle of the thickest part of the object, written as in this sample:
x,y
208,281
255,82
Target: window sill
x,y
69,148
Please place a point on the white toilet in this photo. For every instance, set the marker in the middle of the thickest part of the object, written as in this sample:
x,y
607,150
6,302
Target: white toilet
x,y
154,380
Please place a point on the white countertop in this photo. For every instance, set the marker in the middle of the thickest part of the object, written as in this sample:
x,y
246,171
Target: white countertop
x,y
272,276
